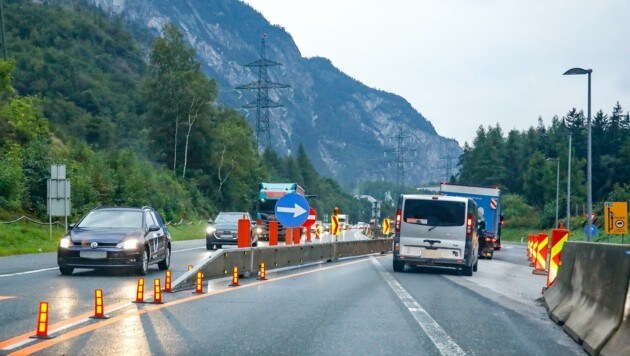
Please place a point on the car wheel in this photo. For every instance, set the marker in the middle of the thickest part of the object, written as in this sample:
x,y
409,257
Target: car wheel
x,y
65,270
399,266
467,270
255,244
218,247
475,266
209,246
166,262
490,255
143,268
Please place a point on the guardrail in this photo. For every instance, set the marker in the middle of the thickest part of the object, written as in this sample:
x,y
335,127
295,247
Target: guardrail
x,y
249,259
591,296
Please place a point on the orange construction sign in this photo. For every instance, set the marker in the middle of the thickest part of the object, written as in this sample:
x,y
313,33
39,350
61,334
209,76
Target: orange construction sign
x,y
541,254
386,225
334,226
558,238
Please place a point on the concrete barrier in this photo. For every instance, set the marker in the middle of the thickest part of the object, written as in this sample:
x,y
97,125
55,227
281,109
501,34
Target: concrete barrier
x,y
561,288
248,259
594,301
619,343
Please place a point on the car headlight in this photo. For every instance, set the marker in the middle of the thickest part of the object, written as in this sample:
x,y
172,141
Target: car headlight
x,y
259,230
210,230
130,244
65,242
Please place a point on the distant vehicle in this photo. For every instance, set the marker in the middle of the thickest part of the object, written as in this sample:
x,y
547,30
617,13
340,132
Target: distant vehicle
x,y
268,196
489,208
343,221
114,237
223,230
436,231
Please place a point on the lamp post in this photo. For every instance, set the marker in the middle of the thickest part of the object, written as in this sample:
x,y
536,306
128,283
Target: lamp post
x,y
569,185
557,160
589,192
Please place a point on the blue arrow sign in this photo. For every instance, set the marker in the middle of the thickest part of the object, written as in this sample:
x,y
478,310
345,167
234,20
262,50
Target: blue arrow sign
x,y
594,230
292,210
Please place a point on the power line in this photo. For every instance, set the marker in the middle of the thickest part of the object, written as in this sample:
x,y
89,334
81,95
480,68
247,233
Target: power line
x,y
261,86
400,152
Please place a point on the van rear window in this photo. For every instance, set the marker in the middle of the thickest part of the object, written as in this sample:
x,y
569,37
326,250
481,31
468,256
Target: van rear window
x,y
434,212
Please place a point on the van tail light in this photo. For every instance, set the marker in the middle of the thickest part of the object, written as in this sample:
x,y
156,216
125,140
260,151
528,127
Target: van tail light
x,y
398,218
469,226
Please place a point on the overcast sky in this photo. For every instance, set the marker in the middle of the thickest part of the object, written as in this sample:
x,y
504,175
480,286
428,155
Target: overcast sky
x,y
465,63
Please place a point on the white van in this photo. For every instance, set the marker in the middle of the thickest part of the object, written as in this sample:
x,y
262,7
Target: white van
x,y
436,230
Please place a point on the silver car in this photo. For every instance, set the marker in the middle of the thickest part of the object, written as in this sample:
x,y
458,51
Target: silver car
x,y
223,230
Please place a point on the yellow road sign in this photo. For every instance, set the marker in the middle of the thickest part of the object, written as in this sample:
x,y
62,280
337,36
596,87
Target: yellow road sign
x,y
386,226
616,218
334,226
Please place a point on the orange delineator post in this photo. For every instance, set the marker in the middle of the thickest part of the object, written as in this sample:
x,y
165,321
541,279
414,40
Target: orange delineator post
x,y
140,291
297,235
167,281
157,291
234,278
42,322
263,272
244,231
190,267
99,305
273,233
541,254
288,236
558,238
199,283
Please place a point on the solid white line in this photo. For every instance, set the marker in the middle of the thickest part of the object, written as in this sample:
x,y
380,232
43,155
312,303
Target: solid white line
x,y
434,331
27,272
189,249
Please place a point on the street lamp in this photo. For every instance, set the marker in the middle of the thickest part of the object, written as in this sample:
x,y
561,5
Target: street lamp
x,y
589,193
557,160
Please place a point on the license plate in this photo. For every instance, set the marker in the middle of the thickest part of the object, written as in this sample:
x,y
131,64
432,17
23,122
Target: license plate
x,y
413,251
93,254
223,236
432,254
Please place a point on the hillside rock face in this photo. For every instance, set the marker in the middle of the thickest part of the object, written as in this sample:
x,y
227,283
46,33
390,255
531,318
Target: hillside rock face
x,y
346,128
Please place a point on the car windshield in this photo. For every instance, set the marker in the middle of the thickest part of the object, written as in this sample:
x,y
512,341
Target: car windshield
x,y
434,212
124,219
228,218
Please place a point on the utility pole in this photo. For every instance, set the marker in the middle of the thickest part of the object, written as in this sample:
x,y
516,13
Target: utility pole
x,y
400,152
263,103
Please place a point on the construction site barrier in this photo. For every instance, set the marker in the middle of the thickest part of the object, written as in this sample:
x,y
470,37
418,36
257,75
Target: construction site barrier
x,y
589,296
247,259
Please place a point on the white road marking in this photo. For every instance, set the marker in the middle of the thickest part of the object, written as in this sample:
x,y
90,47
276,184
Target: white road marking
x,y
27,272
434,331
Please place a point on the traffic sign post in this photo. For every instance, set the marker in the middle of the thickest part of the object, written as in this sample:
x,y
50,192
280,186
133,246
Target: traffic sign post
x,y
594,230
291,210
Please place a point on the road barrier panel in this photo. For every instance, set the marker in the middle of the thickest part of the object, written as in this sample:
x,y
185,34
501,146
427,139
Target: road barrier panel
x,y
558,238
534,249
234,277
273,233
140,291
157,291
541,255
278,257
589,296
99,305
42,322
244,232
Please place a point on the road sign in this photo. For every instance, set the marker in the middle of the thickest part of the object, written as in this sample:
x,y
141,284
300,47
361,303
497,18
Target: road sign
x,y
291,210
616,218
593,217
334,225
594,230
386,226
310,220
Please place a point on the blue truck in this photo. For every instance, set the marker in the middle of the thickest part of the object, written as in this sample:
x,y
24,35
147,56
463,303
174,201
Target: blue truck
x,y
489,208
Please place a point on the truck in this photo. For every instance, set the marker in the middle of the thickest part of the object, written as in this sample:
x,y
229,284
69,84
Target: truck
x,y
343,221
268,196
489,209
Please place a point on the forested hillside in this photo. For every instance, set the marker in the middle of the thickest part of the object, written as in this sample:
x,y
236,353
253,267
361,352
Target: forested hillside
x,y
524,164
132,129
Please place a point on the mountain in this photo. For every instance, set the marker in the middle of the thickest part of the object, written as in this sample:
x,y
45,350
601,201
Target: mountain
x,y
345,127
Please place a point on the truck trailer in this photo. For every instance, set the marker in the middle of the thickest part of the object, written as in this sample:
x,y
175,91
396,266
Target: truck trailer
x,y
489,208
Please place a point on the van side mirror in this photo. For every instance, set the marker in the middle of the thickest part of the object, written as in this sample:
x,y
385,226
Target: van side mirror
x,y
154,228
210,221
